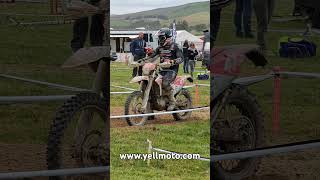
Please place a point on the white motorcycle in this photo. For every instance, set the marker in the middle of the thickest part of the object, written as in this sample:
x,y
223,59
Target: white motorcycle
x,y
151,96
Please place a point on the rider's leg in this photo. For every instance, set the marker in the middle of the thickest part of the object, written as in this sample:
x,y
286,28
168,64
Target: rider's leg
x,y
192,65
97,30
80,31
168,78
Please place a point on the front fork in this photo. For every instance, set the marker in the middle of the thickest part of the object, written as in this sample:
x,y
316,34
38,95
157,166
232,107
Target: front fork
x,y
99,86
146,95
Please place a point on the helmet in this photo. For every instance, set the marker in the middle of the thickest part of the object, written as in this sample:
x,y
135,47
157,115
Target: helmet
x,y
164,36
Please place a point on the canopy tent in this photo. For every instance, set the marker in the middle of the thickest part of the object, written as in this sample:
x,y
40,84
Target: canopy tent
x,y
183,35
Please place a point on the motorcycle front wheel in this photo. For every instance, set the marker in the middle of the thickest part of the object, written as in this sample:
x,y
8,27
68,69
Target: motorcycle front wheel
x,y
133,106
78,136
243,115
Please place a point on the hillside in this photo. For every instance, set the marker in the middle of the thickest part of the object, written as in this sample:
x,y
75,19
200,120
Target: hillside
x,y
193,13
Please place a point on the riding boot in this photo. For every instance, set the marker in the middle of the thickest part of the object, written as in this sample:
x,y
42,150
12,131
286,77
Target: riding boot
x,y
172,101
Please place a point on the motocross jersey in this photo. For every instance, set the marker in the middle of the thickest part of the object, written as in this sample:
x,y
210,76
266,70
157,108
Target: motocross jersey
x,y
171,52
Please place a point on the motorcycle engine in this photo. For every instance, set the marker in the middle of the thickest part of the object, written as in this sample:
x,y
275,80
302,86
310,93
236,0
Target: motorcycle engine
x,y
161,102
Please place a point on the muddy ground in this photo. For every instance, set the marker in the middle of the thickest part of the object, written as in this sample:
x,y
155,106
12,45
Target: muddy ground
x,y
293,166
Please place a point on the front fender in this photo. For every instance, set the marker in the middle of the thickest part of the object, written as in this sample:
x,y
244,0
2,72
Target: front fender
x,y
139,78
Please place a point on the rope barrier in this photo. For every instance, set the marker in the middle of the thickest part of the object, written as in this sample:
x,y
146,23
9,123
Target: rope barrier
x,y
58,172
160,113
54,85
267,151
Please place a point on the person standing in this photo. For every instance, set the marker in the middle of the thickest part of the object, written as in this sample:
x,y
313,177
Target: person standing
x,y
215,15
193,52
137,48
185,56
81,26
242,18
263,10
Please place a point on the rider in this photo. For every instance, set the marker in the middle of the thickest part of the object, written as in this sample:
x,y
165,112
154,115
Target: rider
x,y
168,52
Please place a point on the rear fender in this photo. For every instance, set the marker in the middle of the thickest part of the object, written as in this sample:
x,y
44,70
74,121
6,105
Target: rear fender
x,y
227,60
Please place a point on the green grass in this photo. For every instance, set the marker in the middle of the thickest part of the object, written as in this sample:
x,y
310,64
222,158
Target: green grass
x,y
300,98
187,137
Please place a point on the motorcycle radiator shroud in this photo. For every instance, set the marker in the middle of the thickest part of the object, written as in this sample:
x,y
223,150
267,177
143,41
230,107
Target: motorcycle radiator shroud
x,y
226,63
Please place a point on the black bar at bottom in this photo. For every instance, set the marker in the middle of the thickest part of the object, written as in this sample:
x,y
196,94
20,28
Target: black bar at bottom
x,y
58,172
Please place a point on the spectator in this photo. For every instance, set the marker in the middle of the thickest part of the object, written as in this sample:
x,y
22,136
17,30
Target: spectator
x,y
193,52
81,26
297,8
137,48
185,56
242,18
215,13
264,10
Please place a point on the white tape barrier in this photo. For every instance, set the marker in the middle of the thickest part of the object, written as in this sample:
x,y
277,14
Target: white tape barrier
x,y
206,85
121,87
131,90
160,113
150,148
128,92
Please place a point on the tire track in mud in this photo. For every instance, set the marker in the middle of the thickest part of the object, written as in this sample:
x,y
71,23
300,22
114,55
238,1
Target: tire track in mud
x,y
164,119
22,157
291,166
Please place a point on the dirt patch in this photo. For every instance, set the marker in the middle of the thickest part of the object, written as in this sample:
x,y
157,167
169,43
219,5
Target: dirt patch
x,y
22,157
163,119
292,166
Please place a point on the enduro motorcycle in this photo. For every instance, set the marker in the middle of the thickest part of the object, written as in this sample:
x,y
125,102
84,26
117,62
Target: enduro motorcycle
x,y
151,96
236,117
79,133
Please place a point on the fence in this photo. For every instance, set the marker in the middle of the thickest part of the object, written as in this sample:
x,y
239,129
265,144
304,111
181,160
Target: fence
x,y
285,148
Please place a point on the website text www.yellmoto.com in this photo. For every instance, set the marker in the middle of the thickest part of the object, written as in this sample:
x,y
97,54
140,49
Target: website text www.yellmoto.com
x,y
155,155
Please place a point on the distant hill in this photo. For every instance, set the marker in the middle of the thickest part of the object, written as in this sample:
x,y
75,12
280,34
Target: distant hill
x,y
193,13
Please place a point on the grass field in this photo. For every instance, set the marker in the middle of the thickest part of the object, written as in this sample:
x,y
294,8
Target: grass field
x,y
300,98
190,136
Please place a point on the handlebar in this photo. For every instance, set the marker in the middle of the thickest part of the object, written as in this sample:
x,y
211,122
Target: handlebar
x,y
142,61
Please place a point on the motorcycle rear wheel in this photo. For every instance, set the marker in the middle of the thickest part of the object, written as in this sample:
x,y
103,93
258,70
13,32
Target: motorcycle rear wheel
x,y
184,101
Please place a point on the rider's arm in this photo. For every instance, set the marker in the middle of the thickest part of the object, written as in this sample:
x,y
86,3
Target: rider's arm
x,y
154,57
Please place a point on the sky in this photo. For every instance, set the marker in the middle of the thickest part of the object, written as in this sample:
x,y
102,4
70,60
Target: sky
x,y
131,6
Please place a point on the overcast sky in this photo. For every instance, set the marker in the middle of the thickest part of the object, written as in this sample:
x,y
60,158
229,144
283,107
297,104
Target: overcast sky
x,y
131,6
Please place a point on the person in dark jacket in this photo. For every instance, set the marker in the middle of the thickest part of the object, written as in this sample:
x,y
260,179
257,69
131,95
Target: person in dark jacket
x,y
215,14
137,48
185,56
81,26
192,52
242,18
